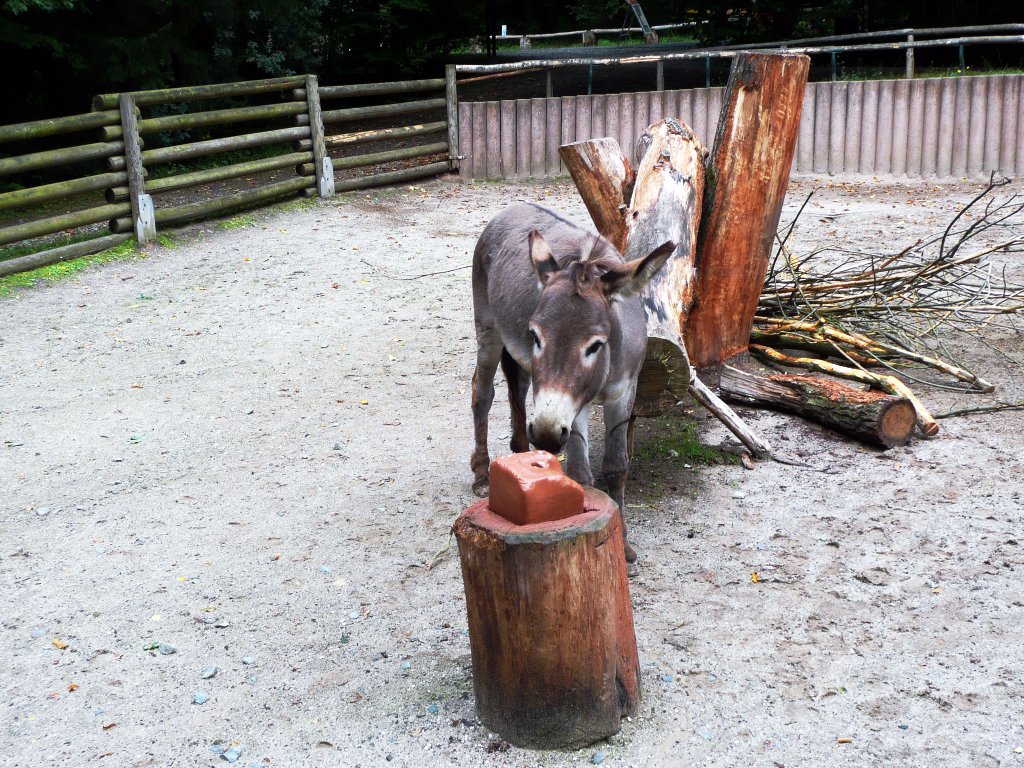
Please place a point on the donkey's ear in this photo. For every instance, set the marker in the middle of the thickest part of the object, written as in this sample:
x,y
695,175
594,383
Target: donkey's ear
x,y
629,279
544,263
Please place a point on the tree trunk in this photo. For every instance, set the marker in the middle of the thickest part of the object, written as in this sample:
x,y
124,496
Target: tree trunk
x,y
748,174
870,416
605,179
664,203
555,662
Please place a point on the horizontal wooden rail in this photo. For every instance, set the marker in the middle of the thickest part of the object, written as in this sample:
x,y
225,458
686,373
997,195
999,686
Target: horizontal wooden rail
x,y
381,110
59,254
580,32
64,221
374,89
877,35
364,137
213,146
37,129
221,117
728,54
20,198
375,158
199,92
210,175
189,212
54,157
391,177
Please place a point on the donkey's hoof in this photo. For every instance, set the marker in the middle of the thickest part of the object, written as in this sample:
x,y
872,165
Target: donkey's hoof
x,y
630,552
481,487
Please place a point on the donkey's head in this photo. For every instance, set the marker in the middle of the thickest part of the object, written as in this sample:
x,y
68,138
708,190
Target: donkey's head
x,y
572,329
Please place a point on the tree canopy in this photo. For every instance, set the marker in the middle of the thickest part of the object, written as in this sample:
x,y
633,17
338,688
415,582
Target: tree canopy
x,y
61,52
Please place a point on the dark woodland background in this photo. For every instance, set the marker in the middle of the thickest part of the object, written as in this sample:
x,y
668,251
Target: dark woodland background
x,y
58,53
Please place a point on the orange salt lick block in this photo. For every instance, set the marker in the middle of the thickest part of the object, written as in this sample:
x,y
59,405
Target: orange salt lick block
x,y
528,488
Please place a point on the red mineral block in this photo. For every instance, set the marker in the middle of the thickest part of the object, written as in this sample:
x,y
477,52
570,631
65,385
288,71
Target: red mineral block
x,y
528,488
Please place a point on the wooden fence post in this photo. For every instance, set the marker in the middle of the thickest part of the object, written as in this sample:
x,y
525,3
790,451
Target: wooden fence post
x,y
452,99
910,59
322,165
143,215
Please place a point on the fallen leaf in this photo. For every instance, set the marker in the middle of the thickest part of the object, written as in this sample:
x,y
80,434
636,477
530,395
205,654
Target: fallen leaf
x,y
59,644
108,726
755,577
73,687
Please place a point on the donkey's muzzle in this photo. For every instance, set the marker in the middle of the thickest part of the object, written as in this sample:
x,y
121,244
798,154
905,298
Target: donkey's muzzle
x,y
550,440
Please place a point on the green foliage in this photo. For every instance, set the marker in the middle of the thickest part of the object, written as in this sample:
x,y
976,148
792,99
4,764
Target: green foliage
x,y
674,438
12,283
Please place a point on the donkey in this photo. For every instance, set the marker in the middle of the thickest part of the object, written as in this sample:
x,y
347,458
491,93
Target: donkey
x,y
558,307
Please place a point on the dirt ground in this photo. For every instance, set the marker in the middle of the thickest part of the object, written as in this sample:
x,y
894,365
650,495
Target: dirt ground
x,y
249,450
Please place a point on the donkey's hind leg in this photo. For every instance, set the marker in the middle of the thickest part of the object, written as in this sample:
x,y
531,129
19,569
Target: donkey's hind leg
x,y
488,354
518,385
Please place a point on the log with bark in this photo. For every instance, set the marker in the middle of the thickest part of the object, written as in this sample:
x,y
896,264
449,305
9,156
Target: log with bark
x,y
747,178
554,652
701,307
870,416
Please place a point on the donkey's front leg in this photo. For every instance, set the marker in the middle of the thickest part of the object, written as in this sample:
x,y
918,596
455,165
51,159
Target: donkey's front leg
x,y
488,354
615,467
577,450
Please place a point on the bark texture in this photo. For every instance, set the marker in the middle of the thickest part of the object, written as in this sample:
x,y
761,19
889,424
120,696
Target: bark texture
x,y
555,662
870,416
748,174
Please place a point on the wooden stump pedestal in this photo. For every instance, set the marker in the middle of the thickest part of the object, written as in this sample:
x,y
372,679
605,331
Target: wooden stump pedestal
x,y
555,662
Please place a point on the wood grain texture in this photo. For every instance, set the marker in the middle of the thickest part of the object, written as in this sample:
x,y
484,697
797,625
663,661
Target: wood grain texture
x,y
869,416
749,171
551,633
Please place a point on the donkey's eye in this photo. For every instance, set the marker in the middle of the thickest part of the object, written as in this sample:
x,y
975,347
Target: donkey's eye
x,y
536,340
594,348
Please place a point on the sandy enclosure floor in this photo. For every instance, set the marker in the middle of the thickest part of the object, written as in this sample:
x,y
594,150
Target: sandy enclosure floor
x,y
252,447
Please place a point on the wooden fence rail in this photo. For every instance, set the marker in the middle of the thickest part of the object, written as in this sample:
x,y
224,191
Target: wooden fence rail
x,y
127,187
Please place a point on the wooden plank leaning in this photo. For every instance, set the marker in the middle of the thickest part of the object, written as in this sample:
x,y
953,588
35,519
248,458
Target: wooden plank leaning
x,y
143,216
321,160
452,103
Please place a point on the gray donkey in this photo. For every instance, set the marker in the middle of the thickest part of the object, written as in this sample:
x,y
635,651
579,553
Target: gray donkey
x,y
557,306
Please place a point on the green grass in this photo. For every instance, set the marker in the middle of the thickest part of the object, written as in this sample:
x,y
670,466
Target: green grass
x,y
673,439
12,283
238,222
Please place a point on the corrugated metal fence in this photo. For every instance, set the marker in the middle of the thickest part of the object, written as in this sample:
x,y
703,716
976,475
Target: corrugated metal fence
x,y
937,127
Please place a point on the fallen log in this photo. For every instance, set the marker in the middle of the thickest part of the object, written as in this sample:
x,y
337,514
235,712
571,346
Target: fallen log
x,y
890,384
870,416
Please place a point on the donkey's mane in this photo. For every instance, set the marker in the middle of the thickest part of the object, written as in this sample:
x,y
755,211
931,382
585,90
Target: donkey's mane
x,y
599,259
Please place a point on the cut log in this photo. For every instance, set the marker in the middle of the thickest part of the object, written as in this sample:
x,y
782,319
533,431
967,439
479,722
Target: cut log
x,y
869,416
605,179
748,174
890,384
554,653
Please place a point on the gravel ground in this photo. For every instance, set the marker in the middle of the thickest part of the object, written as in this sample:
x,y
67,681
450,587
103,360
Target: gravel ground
x,y
250,449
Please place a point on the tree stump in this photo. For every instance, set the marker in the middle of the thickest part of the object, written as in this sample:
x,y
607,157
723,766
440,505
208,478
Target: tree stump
x,y
555,662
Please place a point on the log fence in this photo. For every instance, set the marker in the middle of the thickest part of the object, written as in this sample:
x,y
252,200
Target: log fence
x,y
118,181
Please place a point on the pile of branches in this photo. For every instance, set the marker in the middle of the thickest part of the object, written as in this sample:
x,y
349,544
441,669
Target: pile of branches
x,y
898,311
